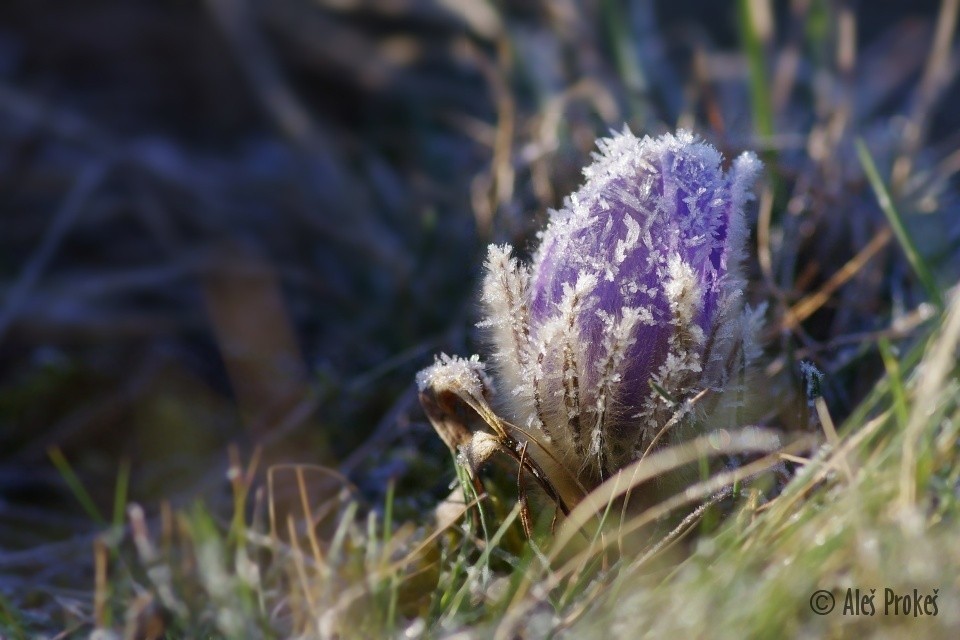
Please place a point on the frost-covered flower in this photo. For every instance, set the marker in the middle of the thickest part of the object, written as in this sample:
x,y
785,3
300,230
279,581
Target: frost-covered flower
x,y
633,303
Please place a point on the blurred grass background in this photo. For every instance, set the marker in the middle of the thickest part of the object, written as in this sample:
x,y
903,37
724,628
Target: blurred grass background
x,y
250,222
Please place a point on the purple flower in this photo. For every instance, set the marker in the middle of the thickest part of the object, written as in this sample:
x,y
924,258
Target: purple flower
x,y
632,304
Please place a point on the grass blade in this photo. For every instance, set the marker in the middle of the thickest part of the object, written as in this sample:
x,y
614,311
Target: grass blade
x,y
892,366
120,494
759,86
896,223
76,487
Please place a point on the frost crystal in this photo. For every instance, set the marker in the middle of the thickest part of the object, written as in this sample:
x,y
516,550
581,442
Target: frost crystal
x,y
632,302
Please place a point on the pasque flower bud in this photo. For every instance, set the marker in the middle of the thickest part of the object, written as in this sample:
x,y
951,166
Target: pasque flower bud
x,y
633,302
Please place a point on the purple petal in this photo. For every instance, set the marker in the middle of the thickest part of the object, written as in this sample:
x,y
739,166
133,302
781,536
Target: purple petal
x,y
644,201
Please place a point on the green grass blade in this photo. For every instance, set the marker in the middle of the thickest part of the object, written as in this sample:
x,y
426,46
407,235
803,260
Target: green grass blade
x,y
892,366
76,487
120,493
388,512
759,86
626,59
869,405
896,223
